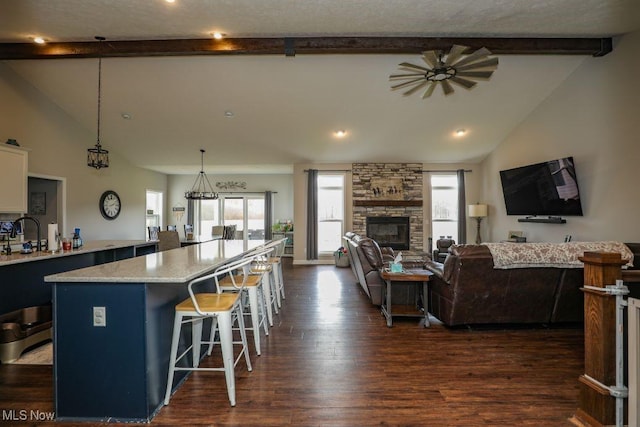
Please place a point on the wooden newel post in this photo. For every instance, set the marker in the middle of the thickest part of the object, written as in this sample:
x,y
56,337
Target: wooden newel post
x,y
597,406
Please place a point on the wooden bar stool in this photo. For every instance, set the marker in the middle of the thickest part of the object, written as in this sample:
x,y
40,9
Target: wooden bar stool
x,y
262,267
254,290
276,263
223,308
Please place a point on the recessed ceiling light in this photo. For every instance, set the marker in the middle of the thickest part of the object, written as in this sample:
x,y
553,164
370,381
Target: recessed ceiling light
x,y
170,1
39,40
218,36
340,133
126,116
461,132
229,114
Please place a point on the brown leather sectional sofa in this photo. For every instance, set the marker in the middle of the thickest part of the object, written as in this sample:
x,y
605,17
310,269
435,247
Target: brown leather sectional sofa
x,y
466,289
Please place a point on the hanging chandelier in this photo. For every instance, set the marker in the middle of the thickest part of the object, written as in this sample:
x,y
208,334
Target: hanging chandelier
x,y
202,189
98,157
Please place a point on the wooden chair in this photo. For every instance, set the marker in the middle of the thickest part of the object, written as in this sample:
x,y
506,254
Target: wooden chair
x,y
229,232
168,240
172,228
153,232
224,309
188,228
218,231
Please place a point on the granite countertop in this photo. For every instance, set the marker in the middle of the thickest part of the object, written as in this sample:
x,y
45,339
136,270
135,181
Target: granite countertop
x,y
87,247
172,266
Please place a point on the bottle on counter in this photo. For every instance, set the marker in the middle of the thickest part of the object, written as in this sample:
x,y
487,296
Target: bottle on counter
x,y
77,240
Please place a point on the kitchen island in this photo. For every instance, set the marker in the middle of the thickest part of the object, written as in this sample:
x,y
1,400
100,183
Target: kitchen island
x,y
22,275
113,367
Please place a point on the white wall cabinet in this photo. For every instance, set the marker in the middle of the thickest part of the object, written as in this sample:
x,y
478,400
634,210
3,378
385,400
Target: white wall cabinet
x,y
13,175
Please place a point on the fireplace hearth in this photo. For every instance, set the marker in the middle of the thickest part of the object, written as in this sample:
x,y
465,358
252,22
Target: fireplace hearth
x,y
391,231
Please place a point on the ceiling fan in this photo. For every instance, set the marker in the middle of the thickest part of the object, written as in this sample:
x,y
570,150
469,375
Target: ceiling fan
x,y
455,68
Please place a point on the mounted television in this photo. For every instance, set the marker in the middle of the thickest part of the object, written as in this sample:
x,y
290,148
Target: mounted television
x,y
548,188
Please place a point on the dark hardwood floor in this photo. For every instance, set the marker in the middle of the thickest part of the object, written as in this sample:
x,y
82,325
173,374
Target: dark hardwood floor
x,y
331,361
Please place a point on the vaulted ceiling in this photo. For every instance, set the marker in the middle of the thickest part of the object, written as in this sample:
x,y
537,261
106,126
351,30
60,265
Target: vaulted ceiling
x,y
265,111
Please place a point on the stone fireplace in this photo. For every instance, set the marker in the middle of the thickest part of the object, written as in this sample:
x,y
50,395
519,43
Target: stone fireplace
x,y
389,190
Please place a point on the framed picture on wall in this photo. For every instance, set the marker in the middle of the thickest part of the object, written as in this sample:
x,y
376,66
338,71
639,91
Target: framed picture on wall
x,y
38,203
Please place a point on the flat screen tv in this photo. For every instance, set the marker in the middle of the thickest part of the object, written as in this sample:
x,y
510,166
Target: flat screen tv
x,y
547,188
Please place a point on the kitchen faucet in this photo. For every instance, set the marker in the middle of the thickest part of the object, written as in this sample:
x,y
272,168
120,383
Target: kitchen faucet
x,y
15,228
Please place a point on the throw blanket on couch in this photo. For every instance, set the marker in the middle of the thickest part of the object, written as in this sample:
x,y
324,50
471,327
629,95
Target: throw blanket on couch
x,y
561,255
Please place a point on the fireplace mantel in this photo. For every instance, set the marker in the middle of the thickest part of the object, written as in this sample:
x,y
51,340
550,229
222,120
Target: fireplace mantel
x,y
387,203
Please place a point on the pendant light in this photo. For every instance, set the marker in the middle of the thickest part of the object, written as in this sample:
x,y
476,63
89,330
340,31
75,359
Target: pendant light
x,y
98,157
202,189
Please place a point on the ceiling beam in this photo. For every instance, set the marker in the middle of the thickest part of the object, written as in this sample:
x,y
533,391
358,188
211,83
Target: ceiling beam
x,y
302,45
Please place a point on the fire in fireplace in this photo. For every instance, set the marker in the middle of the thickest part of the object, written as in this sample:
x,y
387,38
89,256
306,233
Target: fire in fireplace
x,y
391,231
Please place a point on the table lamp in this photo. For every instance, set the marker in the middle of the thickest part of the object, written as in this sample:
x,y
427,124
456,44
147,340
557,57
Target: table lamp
x,y
478,211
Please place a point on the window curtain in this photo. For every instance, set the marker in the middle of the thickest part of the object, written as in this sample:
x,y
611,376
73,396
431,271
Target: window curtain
x,y
312,214
268,214
462,209
190,215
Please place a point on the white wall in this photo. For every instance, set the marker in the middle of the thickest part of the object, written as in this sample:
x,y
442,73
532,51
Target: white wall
x,y
58,147
593,116
259,183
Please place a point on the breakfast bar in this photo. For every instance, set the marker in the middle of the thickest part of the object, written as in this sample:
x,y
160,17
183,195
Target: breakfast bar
x,y
112,330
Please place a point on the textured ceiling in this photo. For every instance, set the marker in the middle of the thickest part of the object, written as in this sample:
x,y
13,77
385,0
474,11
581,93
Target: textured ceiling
x,y
285,109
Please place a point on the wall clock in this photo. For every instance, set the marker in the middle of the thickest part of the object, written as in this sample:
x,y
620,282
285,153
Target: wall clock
x,y
110,205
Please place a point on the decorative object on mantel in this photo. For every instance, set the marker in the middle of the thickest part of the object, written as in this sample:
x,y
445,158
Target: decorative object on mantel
x,y
98,157
453,69
12,142
478,211
202,189
387,188
231,185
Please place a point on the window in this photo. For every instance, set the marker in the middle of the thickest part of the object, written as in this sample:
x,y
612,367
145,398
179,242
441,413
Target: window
x,y
207,216
245,212
444,206
154,210
330,212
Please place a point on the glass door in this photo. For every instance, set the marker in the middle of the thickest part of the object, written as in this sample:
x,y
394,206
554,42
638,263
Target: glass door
x,y
255,218
245,212
234,214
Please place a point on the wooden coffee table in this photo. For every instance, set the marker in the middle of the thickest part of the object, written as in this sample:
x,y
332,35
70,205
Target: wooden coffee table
x,y
409,275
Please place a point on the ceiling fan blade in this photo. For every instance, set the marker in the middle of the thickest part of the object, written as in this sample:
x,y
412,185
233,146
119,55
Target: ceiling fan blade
x,y
491,62
446,87
476,74
455,53
463,82
431,58
478,54
405,76
412,66
427,93
410,82
415,88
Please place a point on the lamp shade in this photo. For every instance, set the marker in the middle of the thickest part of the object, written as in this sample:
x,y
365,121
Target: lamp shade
x,y
477,211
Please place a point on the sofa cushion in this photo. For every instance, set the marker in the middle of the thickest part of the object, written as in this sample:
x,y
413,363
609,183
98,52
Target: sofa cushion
x,y
371,251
